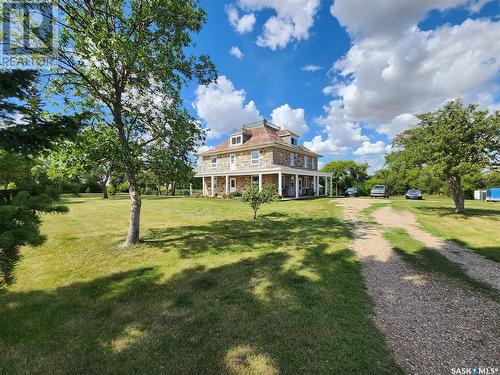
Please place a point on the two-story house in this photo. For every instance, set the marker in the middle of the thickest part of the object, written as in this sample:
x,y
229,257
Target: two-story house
x,y
262,154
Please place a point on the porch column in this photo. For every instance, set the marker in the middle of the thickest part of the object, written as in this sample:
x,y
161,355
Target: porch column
x,y
296,186
204,188
280,187
331,186
260,181
316,190
227,184
211,186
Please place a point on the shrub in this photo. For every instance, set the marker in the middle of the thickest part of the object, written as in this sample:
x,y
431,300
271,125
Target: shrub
x,y
255,198
234,194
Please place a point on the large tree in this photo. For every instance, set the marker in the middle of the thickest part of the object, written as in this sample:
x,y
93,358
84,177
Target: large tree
x,y
125,60
455,141
347,173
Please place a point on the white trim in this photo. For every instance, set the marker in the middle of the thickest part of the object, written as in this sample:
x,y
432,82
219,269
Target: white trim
x,y
260,181
280,183
252,159
212,186
227,184
271,170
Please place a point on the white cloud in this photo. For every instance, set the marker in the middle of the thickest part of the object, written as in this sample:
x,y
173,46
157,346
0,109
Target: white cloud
x,y
311,68
292,21
368,148
387,18
289,118
236,52
223,108
203,148
241,25
342,134
415,71
328,90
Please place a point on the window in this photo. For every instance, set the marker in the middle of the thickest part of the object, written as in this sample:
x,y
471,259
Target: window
x,y
294,141
306,160
292,159
214,162
236,140
255,156
255,180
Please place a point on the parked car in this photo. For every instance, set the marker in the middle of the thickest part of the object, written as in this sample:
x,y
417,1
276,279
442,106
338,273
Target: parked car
x,y
413,194
379,191
351,192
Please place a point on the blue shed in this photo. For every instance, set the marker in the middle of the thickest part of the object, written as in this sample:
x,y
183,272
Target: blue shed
x,y
493,194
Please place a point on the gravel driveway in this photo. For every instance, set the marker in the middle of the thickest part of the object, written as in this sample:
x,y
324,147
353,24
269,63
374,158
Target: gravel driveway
x,y
431,323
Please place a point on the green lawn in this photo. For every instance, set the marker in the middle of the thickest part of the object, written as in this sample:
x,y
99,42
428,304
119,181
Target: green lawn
x,y
478,229
208,291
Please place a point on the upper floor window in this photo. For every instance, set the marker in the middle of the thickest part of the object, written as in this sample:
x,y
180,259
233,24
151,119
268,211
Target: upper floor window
x,y
213,161
292,159
255,157
306,161
293,141
236,140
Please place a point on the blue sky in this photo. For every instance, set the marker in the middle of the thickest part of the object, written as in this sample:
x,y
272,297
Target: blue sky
x,y
371,66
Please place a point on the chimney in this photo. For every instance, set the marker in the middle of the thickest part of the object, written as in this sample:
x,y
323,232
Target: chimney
x,y
264,122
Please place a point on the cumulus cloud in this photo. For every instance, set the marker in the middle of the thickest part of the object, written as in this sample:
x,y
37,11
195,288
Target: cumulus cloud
x,y
311,68
368,148
289,118
223,107
236,52
242,24
292,21
394,70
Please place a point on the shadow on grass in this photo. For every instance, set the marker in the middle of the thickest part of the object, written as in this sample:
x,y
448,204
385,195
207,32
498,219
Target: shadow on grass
x,y
416,253
269,232
450,211
258,315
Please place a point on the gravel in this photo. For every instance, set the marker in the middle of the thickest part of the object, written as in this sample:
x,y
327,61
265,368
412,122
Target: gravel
x,y
432,324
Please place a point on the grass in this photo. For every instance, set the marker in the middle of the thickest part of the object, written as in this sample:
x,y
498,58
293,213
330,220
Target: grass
x,y
368,211
477,230
207,291
414,252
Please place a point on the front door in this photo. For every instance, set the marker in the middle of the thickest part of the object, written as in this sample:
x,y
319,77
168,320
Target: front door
x,y
232,162
232,185
300,185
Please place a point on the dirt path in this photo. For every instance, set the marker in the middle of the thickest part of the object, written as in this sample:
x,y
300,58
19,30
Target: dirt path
x,y
473,264
431,323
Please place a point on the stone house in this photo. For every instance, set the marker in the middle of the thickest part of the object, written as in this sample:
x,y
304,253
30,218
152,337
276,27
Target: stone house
x,y
262,154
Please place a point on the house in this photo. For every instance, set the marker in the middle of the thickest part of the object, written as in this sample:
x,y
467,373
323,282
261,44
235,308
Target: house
x,y
262,154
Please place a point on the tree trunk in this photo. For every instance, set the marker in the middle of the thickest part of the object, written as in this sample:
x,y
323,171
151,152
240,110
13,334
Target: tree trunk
x,y
457,194
135,211
105,186
134,193
255,214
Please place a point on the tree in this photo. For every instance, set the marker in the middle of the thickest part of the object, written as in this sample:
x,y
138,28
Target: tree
x,y
347,173
26,131
455,140
91,156
256,198
126,60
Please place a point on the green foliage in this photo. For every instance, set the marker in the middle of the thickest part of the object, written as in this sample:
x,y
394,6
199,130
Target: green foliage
x,y
347,173
234,194
454,141
256,198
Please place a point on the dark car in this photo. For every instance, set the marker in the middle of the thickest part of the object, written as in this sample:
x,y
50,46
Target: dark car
x,y
413,194
379,191
351,192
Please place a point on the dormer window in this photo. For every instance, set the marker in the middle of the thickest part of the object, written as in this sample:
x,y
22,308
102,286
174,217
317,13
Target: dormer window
x,y
293,141
236,140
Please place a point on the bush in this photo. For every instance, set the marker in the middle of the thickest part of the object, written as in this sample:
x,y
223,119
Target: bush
x,y
255,198
234,194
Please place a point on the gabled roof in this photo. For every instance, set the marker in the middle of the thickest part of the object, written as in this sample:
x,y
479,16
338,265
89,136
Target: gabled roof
x,y
259,135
